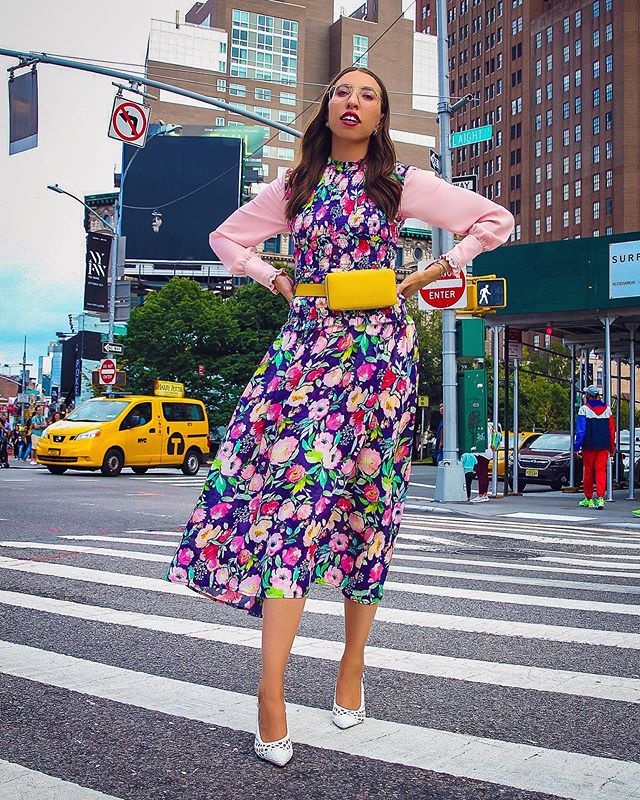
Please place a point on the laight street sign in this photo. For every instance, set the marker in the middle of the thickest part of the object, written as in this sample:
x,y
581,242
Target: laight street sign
x,y
471,136
116,349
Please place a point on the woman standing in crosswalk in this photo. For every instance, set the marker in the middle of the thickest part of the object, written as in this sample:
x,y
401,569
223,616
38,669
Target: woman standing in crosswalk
x,y
310,479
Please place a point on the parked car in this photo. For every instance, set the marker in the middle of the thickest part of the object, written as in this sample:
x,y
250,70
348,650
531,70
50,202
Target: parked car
x,y
525,438
545,461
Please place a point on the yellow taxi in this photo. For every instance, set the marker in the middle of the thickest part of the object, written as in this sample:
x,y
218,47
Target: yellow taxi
x,y
525,439
137,431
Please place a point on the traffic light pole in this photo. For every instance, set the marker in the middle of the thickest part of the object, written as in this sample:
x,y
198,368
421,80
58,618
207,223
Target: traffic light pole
x,y
450,473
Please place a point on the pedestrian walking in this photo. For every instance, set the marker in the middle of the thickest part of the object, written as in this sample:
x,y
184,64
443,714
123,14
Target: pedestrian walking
x,y
5,438
469,462
38,424
494,437
596,438
310,479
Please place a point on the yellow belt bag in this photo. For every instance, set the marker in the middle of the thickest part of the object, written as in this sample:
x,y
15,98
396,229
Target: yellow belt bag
x,y
355,290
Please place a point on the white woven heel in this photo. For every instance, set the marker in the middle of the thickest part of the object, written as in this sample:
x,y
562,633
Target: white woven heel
x,y
279,752
348,717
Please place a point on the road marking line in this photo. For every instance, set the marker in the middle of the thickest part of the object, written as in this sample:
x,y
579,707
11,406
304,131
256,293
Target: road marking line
x,y
441,573
19,783
527,630
555,517
558,681
570,775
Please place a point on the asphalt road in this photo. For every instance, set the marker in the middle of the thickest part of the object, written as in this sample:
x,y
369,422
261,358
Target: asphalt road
x,y
504,661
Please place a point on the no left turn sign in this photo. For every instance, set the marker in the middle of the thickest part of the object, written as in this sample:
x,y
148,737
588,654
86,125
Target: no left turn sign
x,y
129,122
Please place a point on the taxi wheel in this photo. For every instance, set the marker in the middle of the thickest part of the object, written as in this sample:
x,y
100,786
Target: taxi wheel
x,y
140,470
112,463
57,470
191,463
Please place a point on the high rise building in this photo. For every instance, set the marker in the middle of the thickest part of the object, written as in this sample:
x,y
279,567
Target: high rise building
x,y
560,83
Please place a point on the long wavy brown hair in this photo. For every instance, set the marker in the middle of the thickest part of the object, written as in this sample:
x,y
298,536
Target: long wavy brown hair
x,y
380,184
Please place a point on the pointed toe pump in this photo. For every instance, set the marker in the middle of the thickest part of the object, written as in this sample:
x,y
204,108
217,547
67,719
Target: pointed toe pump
x,y
348,717
279,752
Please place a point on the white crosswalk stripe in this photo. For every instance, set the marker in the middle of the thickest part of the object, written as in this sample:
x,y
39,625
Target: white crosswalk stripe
x,y
508,604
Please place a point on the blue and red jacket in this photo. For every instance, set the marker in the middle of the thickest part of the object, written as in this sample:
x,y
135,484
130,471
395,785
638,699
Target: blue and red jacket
x,y
595,427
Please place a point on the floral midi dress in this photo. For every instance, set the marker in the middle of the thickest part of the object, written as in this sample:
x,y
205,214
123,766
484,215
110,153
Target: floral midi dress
x,y
310,479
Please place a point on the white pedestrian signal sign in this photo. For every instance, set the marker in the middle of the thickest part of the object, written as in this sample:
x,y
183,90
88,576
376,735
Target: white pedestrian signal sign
x,y
488,293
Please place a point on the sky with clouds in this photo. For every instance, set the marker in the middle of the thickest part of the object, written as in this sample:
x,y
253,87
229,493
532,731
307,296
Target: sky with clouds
x,y
42,237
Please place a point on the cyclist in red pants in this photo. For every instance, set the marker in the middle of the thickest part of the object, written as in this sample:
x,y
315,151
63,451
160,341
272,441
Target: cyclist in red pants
x,y
595,436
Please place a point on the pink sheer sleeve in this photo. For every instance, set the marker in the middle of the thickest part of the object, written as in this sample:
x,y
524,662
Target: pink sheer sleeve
x,y
431,199
235,240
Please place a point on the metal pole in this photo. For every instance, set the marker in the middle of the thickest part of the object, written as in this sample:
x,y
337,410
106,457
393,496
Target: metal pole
x,y
618,399
24,380
632,410
515,425
607,394
450,474
138,79
422,435
496,388
505,486
572,418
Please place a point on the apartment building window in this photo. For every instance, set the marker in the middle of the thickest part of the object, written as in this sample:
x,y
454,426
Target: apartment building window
x,y
596,98
608,231
263,94
240,106
608,150
516,183
286,137
548,197
221,85
549,144
539,67
608,178
537,122
219,122
498,188
287,99
516,105
577,215
263,47
237,90
565,165
565,192
286,116
549,171
578,47
565,137
565,219
596,210
596,69
565,25
549,62
550,33
577,188
608,5
608,205
577,76
516,25
516,77
565,110
538,175
565,83
518,231
538,149
596,232
577,161
608,32
537,227
538,96
549,91
596,38
608,92
265,113
549,116
499,114
538,40
516,156
516,131
547,224
578,19
537,199
596,8
578,105
608,63
565,54
360,47
285,153
596,126
499,86
577,133
596,182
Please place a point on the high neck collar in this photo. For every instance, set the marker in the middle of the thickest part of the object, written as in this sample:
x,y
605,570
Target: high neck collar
x,y
345,166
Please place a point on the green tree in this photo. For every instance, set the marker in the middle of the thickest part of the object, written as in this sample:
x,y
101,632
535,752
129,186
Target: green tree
x,y
429,331
183,326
